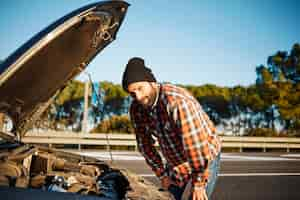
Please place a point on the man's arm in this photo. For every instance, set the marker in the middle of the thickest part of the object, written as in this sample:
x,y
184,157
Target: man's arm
x,y
146,143
195,126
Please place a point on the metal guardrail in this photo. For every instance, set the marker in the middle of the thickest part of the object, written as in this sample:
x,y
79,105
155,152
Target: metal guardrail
x,y
261,142
241,143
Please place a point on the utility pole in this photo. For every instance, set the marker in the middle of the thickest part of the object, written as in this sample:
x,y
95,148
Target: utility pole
x,y
85,111
1,122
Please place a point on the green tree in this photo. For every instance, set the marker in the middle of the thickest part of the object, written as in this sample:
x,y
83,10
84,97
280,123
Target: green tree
x,y
115,124
275,98
266,76
286,62
114,98
66,111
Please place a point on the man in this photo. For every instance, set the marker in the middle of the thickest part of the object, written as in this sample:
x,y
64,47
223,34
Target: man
x,y
187,138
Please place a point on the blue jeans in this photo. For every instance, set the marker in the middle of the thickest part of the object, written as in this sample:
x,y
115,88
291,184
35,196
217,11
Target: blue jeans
x,y
214,168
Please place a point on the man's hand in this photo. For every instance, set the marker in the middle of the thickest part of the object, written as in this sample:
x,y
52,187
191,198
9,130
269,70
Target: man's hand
x,y
199,194
165,182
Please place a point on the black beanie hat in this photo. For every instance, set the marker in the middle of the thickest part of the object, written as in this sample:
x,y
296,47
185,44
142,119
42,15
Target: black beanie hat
x,y
136,71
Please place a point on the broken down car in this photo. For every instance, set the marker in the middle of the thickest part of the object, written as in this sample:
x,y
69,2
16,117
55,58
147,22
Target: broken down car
x,y
30,79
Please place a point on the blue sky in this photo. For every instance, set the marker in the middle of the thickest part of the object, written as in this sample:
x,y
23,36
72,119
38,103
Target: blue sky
x,y
187,42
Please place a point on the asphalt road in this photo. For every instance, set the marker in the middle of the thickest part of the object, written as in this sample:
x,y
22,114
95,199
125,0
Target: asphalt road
x,y
246,176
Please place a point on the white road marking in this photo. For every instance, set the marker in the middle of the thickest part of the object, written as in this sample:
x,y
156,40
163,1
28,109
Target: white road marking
x,y
115,155
291,155
252,158
147,175
224,156
261,174
120,157
242,174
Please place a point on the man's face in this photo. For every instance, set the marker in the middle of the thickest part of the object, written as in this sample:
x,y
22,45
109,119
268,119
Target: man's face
x,y
144,92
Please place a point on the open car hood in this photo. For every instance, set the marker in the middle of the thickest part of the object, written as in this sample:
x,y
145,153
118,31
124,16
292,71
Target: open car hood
x,y
32,75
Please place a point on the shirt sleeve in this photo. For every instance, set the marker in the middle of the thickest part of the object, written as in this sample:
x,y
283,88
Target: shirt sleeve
x,y
189,116
146,146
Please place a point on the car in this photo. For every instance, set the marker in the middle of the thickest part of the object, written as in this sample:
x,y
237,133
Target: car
x,y
30,78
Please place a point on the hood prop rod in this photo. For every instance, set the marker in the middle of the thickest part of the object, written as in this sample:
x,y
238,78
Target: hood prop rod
x,y
99,101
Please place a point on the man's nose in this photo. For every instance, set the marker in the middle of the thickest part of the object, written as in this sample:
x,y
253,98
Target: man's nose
x,y
138,96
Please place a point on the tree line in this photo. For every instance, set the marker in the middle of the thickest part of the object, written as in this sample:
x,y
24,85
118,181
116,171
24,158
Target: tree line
x,y
268,107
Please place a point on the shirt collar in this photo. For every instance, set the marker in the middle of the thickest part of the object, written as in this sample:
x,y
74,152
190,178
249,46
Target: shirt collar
x,y
157,97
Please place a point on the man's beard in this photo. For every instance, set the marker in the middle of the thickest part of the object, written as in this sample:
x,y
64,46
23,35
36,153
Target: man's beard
x,y
146,101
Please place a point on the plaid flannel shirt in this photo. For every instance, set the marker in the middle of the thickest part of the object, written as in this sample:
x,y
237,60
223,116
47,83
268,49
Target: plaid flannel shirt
x,y
187,137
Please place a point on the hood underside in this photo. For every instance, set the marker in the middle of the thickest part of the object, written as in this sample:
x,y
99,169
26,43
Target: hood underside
x,y
31,76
